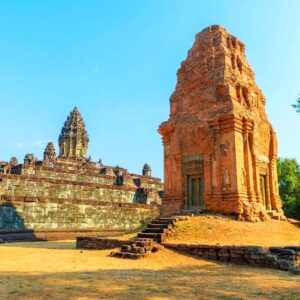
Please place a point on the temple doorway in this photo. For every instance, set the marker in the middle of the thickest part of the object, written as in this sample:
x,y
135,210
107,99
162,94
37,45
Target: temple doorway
x,y
193,180
195,193
263,190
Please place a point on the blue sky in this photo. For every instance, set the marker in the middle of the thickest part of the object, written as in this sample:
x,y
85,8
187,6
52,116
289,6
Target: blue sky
x,y
117,61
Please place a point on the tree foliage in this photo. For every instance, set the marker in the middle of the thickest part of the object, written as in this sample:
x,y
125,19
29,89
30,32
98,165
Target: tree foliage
x,y
289,186
297,105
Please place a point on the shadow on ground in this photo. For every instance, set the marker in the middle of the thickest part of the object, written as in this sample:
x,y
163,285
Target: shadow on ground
x,y
57,245
193,282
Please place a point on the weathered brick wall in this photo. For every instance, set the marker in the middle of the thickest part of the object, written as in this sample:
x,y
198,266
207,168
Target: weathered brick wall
x,y
44,214
52,188
284,258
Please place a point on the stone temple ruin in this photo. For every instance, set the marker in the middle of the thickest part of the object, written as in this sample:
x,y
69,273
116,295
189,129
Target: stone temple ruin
x,y
71,193
220,150
220,156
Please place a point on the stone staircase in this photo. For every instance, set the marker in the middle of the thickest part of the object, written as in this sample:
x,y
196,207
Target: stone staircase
x,y
149,240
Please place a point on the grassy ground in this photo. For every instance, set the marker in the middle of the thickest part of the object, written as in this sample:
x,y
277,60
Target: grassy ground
x,y
208,229
55,270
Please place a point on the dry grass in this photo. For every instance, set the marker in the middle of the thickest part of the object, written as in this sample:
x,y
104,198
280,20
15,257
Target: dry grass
x,y
55,270
209,229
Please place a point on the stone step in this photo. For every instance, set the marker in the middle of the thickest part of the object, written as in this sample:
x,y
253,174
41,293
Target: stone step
x,y
182,217
274,214
167,220
143,243
163,222
137,239
174,219
159,237
168,226
126,248
156,230
127,255
140,250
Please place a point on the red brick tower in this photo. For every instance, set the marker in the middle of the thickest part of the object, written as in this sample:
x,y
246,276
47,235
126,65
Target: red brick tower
x,y
220,150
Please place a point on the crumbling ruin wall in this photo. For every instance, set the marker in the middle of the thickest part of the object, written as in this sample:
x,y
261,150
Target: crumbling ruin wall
x,y
283,258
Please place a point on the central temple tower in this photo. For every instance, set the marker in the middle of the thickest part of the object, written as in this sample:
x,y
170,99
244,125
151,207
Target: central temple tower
x,y
73,140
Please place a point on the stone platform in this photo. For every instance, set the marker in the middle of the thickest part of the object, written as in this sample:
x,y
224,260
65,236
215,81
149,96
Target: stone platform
x,y
73,197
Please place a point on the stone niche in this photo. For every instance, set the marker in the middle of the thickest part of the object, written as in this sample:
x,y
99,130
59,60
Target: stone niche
x,y
220,150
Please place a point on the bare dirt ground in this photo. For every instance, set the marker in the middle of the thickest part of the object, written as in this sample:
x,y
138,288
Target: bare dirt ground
x,y
210,229
55,270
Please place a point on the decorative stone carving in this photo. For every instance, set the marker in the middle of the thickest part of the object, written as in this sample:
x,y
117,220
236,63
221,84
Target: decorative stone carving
x,y
146,170
224,148
73,140
99,164
226,180
29,160
49,153
4,167
119,175
13,162
244,177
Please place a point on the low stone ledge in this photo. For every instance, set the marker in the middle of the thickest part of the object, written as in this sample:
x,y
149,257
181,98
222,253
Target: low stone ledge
x,y
99,243
11,199
283,258
54,235
40,179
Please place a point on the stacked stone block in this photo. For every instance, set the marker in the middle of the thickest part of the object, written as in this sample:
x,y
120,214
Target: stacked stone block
x,y
283,258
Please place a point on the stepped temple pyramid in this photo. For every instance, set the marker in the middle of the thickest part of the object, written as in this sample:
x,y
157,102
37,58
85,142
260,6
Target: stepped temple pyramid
x,y
70,193
220,150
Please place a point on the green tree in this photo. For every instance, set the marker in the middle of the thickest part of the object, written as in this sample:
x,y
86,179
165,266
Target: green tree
x,y
297,105
289,186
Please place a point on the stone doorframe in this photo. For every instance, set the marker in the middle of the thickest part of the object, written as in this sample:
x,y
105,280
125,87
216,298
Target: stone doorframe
x,y
192,167
264,173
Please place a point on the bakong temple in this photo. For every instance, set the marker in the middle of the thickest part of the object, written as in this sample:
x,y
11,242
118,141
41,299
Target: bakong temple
x,y
71,193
